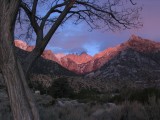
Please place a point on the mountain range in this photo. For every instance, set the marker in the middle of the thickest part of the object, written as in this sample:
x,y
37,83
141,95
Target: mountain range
x,y
84,63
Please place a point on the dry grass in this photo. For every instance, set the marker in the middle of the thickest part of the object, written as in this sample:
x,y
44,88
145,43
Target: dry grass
x,y
5,111
80,111
125,111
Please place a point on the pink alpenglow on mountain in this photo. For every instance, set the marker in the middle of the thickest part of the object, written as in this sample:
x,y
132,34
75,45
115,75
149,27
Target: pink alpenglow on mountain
x,y
78,59
48,54
60,55
85,63
103,57
21,44
142,45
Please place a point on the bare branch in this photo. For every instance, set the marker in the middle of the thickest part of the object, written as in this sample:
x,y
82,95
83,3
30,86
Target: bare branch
x,y
44,19
58,21
132,2
107,14
31,16
35,2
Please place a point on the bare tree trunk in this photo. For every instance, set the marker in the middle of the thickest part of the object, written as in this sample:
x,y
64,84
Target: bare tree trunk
x,y
30,60
21,100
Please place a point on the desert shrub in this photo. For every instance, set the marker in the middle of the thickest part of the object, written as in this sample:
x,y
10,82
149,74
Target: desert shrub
x,y
60,88
133,111
5,111
153,108
87,95
38,86
67,112
141,95
125,111
41,82
144,95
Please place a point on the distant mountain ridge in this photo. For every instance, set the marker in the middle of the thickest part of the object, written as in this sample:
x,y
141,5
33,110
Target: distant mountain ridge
x,y
84,63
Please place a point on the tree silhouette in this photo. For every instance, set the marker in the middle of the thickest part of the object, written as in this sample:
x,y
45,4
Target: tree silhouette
x,y
105,14
111,14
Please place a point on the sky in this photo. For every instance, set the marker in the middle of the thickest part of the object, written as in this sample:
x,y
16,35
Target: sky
x,y
77,38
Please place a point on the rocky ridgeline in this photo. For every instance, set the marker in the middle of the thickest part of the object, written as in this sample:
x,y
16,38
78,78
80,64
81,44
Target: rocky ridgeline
x,y
84,63
135,43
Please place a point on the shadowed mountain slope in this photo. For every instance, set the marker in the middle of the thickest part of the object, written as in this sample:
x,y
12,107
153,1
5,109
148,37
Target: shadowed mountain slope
x,y
45,66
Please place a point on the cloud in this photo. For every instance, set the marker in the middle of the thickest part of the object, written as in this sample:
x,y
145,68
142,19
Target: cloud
x,y
67,51
92,48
